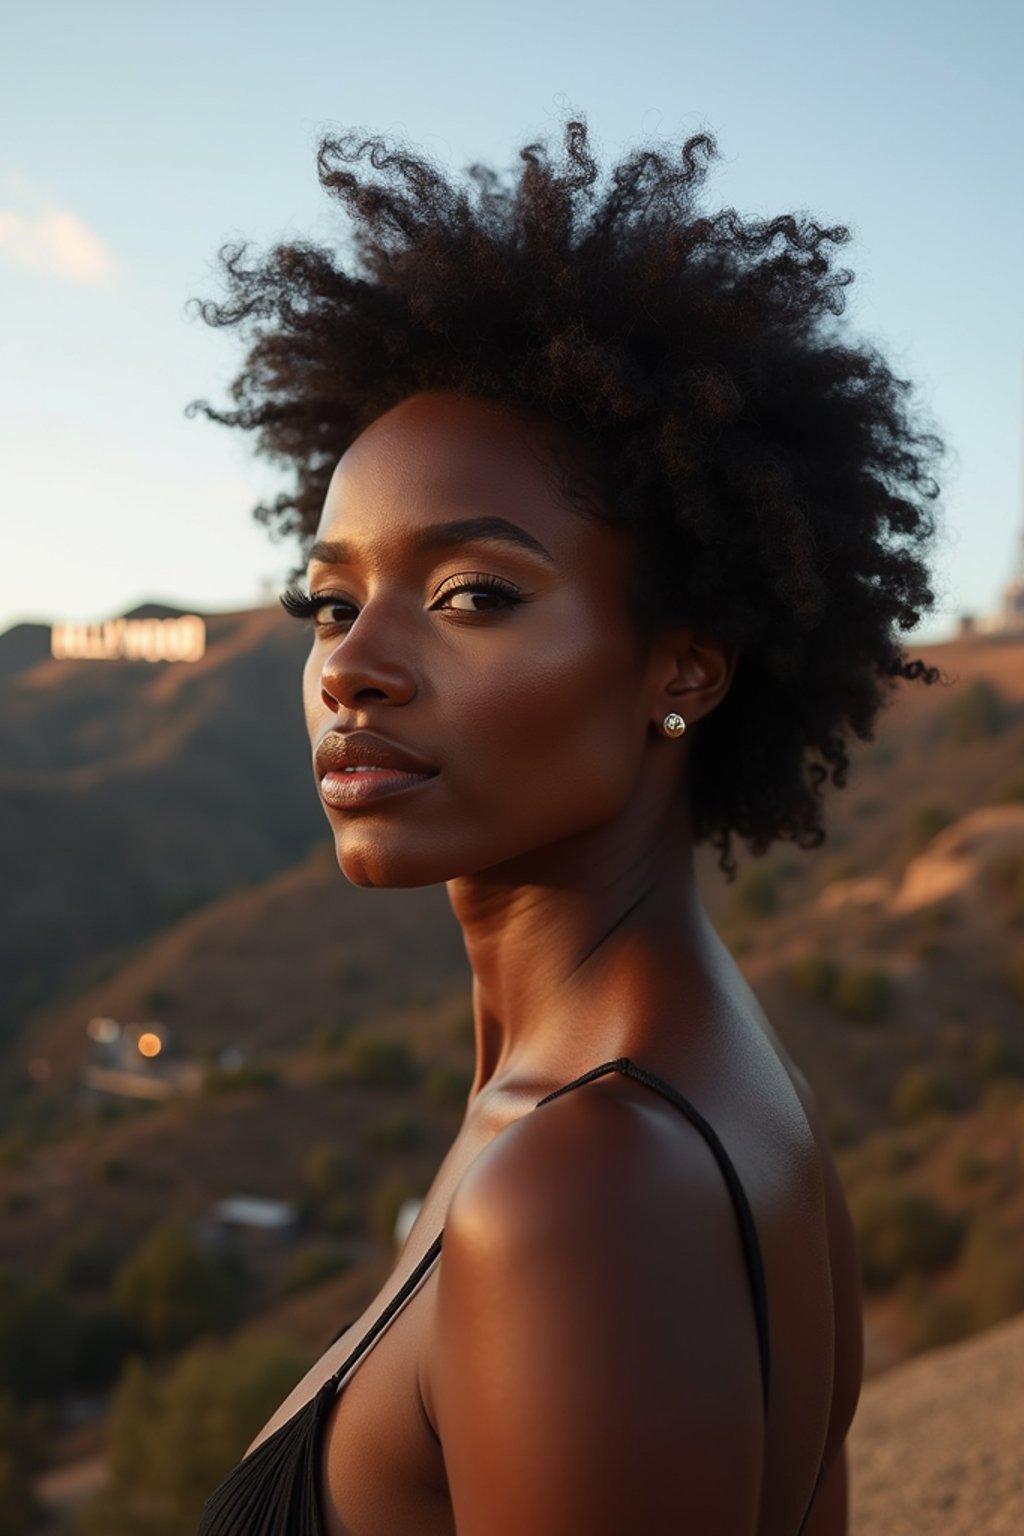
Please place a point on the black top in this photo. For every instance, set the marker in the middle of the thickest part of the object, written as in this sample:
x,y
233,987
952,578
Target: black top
x,y
274,1491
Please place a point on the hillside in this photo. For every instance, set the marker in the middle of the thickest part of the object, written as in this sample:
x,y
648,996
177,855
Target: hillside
x,y
890,962
935,1445
113,775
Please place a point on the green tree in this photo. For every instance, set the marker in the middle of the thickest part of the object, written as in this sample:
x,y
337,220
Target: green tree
x,y
395,1132
996,1056
979,712
863,992
328,1170
312,1266
900,1231
926,822
174,1290
756,894
446,1088
924,1091
815,975
380,1062
385,1203
993,1269
172,1440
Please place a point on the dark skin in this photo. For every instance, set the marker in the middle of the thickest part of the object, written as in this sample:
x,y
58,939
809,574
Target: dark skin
x,y
583,1355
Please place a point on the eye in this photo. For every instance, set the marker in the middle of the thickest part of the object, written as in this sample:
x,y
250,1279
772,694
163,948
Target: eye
x,y
306,605
498,594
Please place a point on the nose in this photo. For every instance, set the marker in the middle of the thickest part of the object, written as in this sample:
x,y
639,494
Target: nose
x,y
365,665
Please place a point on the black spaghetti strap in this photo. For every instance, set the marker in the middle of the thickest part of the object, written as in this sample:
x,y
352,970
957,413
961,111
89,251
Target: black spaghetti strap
x,y
393,1305
748,1230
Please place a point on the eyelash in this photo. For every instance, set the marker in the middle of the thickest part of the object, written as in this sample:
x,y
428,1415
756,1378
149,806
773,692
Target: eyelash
x,y
304,605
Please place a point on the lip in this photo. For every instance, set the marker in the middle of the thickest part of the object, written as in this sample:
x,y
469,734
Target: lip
x,y
344,789
392,769
338,750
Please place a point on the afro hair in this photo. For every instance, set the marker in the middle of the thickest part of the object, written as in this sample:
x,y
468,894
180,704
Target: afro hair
x,y
778,484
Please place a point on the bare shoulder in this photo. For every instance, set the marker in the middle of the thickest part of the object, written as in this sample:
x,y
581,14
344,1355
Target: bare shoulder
x,y
591,1358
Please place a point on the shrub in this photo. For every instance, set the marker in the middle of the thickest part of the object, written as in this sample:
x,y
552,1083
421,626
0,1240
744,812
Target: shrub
x,y
756,894
462,1027
171,1440
926,822
841,1131
312,1266
1012,790
842,869
173,1290
900,1231
924,1091
996,1056
977,714
936,1318
993,1269
378,1062
970,1168
446,1088
86,1262
341,1215
328,1170
157,998
250,1074
385,1203
111,1168
815,976
863,992
1015,974
329,1036
393,1133
103,1339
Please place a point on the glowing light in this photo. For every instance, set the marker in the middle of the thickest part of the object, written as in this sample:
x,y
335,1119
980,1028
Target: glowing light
x,y
105,1031
150,1044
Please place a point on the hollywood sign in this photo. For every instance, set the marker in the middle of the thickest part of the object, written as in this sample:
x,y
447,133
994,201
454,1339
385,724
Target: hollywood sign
x,y
181,639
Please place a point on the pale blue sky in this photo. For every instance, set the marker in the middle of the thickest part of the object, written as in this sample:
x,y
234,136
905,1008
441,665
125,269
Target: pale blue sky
x,y
135,138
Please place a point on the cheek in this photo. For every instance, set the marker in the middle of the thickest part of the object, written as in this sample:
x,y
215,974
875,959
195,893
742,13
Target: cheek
x,y
547,736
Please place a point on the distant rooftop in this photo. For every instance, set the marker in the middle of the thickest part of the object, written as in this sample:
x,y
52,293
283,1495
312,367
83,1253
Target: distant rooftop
x,y
254,1211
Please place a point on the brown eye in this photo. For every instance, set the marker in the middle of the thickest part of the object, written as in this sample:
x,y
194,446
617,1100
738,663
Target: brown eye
x,y
496,594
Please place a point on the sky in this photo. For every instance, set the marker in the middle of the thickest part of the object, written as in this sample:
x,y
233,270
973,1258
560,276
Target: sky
x,y
135,138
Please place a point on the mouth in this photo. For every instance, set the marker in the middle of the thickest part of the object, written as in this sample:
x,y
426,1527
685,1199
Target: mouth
x,y
341,788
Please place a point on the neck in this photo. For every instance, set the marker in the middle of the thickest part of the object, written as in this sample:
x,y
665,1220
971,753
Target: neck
x,y
580,951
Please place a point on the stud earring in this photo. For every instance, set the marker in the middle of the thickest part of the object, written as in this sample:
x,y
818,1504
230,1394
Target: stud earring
x,y
673,725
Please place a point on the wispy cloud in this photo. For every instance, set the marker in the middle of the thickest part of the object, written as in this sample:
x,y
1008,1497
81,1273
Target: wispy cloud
x,y
42,237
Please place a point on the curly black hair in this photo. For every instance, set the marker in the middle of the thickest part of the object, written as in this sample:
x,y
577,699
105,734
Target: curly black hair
x,y
779,486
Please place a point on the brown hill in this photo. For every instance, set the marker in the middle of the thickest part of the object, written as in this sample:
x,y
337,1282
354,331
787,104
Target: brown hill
x,y
935,1445
889,962
131,792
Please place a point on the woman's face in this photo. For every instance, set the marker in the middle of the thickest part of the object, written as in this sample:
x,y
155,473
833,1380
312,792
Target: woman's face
x,y
509,665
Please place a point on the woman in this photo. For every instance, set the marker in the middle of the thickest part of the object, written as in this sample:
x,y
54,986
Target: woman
x,y
607,539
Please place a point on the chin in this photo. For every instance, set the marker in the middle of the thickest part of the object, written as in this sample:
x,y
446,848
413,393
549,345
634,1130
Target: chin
x,y
367,864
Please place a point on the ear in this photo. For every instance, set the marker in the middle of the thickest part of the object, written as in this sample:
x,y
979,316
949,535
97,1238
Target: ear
x,y
691,674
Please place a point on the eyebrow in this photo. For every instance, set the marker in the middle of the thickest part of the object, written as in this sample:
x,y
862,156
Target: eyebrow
x,y
465,530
